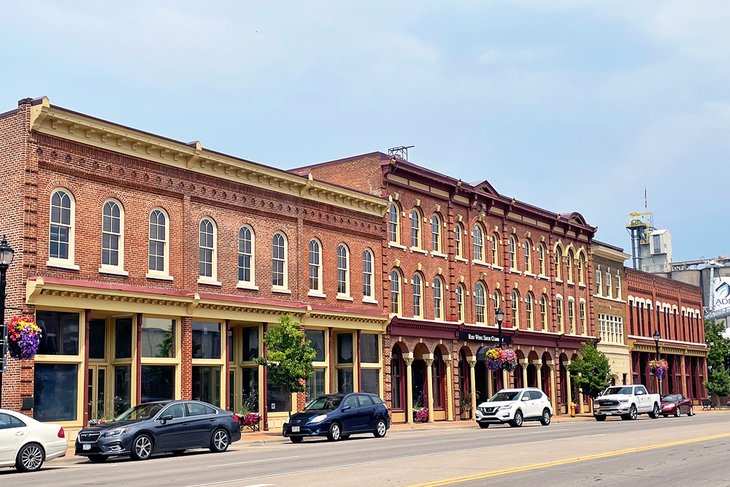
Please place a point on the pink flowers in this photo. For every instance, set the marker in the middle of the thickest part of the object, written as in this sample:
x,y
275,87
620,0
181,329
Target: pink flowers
x,y
501,358
659,367
421,415
24,336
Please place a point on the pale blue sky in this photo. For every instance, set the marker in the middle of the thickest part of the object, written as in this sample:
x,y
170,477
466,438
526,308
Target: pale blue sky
x,y
571,105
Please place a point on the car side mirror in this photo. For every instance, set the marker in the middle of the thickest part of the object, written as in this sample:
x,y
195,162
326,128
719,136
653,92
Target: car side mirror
x,y
346,408
525,399
166,418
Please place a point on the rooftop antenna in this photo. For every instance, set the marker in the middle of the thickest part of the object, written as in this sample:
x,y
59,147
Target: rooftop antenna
x,y
400,152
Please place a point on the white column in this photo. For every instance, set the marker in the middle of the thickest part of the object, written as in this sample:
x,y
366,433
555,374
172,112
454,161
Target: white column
x,y
490,383
408,359
538,370
568,387
428,359
472,381
449,386
552,389
523,363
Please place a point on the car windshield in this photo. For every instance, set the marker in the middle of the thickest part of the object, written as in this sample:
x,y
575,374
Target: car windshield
x,y
505,396
672,398
617,390
140,412
324,403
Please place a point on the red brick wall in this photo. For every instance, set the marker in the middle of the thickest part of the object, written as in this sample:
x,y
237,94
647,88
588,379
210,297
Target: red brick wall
x,y
362,173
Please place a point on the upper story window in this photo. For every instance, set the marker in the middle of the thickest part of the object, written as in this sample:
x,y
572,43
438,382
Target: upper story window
x,y
515,298
569,266
558,262
436,234
541,260
582,314
394,223
158,244
529,301
315,266
527,250
478,243
496,299
415,228
559,313
512,252
458,244
581,268
62,228
618,287
543,312
599,282
571,315
343,270
417,296
480,301
438,302
207,250
279,271
368,291
245,256
396,304
112,236
609,289
495,248
460,292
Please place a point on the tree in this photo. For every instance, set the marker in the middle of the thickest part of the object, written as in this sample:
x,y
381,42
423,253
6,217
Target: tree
x,y
719,383
717,359
592,371
288,355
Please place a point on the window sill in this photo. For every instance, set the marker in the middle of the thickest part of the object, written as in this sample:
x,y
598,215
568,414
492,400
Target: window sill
x,y
581,285
209,282
515,271
62,264
247,286
418,250
530,274
280,290
439,254
369,301
344,297
113,271
316,294
461,259
558,280
394,245
159,277
570,283
497,267
543,276
480,263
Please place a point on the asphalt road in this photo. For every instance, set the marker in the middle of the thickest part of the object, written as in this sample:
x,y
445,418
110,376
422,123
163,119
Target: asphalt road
x,y
690,450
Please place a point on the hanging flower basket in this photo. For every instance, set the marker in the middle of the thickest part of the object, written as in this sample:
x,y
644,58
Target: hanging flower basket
x,y
501,358
659,367
509,359
24,336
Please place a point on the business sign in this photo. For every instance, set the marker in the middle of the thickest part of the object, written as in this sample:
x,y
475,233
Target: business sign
x,y
481,337
720,293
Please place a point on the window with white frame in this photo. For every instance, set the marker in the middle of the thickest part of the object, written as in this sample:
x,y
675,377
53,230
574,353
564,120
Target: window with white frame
x,y
581,269
611,329
529,301
478,243
618,287
582,313
559,313
480,301
460,291
438,302
415,228
394,223
495,248
458,244
417,296
436,234
558,262
599,282
496,299
541,259
395,292
112,236
512,252
279,271
315,266
609,289
207,250
569,267
368,290
515,298
62,228
158,243
343,270
543,312
246,256
527,251
571,315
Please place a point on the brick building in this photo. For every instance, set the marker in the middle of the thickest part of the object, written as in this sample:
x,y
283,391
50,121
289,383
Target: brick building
x,y
454,253
674,309
154,267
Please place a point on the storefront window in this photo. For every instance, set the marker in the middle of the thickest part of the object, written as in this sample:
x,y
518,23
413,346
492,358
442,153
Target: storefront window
x,y
315,384
206,340
370,381
250,390
344,348
97,339
158,382
250,344
55,391
369,348
122,389
278,400
207,384
316,341
158,337
344,380
60,333
123,338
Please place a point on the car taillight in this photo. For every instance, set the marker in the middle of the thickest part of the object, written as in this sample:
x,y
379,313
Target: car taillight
x,y
61,433
236,417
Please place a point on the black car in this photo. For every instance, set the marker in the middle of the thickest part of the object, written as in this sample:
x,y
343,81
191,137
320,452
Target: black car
x,y
337,416
162,426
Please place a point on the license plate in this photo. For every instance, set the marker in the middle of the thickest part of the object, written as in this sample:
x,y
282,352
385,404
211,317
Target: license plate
x,y
295,429
86,447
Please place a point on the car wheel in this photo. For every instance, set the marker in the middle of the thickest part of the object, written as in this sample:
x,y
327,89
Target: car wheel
x,y
335,433
632,412
600,417
30,458
219,441
676,412
517,421
142,447
177,453
483,425
654,414
380,429
545,419
296,439
98,458
691,411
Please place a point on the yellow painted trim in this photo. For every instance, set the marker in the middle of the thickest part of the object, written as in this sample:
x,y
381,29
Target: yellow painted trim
x,y
566,461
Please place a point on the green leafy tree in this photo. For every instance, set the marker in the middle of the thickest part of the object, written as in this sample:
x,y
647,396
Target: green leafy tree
x,y
718,351
719,383
289,356
592,371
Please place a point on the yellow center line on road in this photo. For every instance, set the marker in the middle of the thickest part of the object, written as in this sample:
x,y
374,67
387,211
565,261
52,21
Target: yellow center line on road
x,y
555,463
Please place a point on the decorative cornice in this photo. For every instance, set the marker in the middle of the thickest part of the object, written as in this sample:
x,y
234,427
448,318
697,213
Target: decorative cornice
x,y
83,129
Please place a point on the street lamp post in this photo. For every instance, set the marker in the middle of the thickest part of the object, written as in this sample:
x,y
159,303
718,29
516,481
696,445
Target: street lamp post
x,y
657,336
6,258
499,314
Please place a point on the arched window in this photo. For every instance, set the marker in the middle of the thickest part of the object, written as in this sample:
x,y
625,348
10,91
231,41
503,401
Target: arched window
x,y
395,293
279,271
529,301
368,291
526,248
496,299
417,295
558,262
315,266
438,302
415,228
460,292
394,223
569,271
343,270
458,244
571,315
158,248
480,300
397,379
581,268
582,310
478,243
512,252
245,257
436,234
541,260
543,312
559,313
207,251
112,237
62,229
515,298
495,248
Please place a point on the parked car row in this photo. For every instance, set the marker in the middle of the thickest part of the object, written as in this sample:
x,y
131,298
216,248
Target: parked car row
x,y
628,401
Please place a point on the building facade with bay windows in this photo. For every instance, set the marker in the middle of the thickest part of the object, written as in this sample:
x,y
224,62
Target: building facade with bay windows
x,y
154,268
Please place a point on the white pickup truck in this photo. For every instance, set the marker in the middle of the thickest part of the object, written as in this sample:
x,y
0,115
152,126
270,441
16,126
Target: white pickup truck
x,y
626,401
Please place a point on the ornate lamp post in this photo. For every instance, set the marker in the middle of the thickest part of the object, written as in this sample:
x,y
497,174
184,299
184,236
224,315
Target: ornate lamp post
x,y
657,336
6,258
499,314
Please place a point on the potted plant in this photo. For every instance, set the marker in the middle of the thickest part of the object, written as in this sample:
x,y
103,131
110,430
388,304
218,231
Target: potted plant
x,y
465,405
420,413
24,337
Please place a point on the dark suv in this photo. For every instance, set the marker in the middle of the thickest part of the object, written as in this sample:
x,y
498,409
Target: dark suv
x,y
337,416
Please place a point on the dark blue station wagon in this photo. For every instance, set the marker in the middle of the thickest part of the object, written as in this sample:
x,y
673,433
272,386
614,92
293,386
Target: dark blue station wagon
x,y
337,416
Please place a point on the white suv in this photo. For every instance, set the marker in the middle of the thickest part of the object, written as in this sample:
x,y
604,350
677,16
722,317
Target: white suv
x,y
514,406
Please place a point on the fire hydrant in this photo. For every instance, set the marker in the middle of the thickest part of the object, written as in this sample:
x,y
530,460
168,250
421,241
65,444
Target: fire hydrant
x,y
572,410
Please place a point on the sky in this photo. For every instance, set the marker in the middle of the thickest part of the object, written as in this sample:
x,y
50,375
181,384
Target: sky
x,y
570,105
